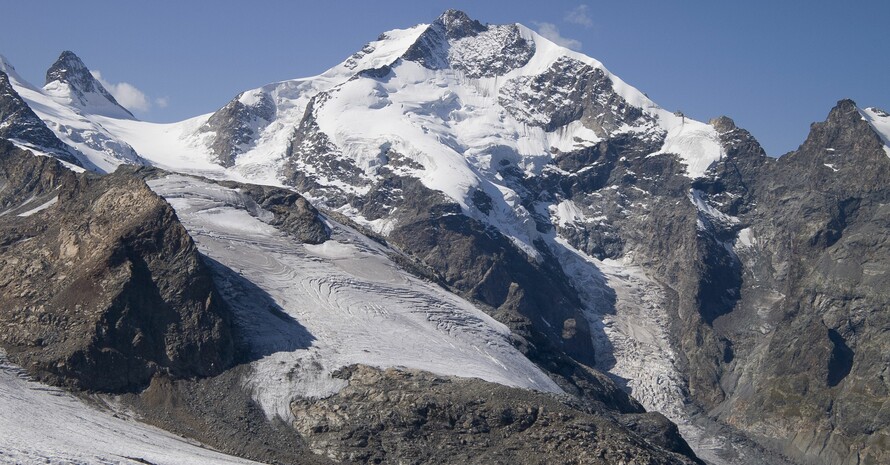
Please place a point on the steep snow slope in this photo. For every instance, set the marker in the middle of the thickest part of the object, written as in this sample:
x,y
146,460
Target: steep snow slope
x,y
315,308
46,425
880,121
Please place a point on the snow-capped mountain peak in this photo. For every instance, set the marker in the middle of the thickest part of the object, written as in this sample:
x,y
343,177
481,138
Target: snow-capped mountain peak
x,y
69,80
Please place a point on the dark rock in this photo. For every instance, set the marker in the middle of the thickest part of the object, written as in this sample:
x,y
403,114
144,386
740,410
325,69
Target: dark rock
x,y
109,292
810,381
220,413
413,417
569,91
309,146
455,41
293,214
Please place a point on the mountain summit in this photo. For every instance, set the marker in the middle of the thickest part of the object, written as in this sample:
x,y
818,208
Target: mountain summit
x,y
69,78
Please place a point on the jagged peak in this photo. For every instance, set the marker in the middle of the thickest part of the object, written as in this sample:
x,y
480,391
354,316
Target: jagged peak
x,y
848,133
69,77
844,109
454,40
457,24
68,68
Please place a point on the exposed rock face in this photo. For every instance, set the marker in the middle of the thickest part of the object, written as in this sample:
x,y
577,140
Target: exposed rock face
x,y
103,288
18,122
782,323
412,417
220,413
815,281
237,124
774,270
569,91
291,212
310,148
488,51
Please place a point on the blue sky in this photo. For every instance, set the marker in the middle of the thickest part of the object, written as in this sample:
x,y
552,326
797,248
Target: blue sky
x,y
773,66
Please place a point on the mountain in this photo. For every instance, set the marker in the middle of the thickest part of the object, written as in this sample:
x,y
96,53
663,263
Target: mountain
x,y
497,241
69,79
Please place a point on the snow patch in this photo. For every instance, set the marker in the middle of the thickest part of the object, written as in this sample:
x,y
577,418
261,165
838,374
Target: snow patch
x,y
710,213
697,144
566,212
880,121
46,205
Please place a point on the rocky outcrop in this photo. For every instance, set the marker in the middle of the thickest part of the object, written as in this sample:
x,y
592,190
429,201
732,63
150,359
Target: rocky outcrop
x,y
397,416
816,380
236,125
291,212
101,288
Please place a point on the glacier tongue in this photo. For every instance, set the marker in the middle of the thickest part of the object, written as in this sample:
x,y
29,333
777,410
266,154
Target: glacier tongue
x,y
311,309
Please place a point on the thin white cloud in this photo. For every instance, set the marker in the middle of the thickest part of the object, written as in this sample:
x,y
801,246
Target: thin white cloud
x,y
579,15
551,32
162,102
128,95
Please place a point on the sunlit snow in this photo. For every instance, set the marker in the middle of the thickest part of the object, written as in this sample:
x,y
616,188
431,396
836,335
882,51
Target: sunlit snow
x,y
311,309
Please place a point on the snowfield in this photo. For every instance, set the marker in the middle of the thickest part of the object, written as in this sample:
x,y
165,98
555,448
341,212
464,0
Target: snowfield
x,y
311,309
45,425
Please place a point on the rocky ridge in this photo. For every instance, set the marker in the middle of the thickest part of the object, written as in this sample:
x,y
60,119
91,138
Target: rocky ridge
x,y
407,416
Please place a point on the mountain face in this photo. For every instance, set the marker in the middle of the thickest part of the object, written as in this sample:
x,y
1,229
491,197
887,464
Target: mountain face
x,y
811,287
19,123
509,240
